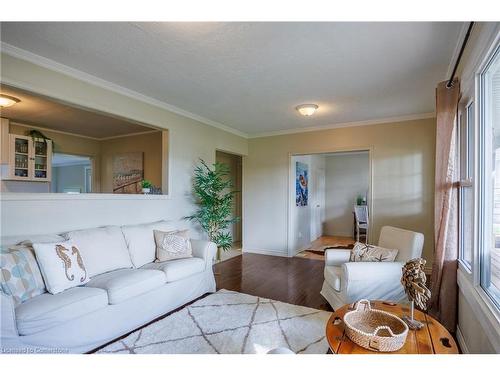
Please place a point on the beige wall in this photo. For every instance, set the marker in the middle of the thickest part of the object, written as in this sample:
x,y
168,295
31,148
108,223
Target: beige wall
x,y
403,179
149,144
188,141
235,164
347,176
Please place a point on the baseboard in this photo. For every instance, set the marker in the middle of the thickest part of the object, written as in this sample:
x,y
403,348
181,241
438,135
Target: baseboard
x,y
266,252
461,341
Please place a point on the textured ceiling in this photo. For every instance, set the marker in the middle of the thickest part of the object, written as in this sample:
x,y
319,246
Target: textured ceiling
x,y
39,111
250,76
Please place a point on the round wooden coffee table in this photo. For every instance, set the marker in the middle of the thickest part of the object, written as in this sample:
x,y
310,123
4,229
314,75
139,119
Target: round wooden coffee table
x,y
433,338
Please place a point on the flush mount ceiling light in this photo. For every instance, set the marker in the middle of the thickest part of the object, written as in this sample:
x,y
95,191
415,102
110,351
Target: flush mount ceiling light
x,y
307,109
7,101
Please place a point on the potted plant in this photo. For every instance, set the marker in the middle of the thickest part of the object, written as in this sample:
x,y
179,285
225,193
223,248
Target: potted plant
x,y
214,195
146,186
359,200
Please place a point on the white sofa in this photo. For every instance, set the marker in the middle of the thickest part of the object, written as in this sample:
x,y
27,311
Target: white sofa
x,y
347,282
126,291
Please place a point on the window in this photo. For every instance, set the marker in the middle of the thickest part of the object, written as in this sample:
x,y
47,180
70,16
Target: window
x,y
466,192
489,170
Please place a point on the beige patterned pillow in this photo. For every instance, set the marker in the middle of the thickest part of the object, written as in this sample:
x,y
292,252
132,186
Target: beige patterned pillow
x,y
172,245
371,253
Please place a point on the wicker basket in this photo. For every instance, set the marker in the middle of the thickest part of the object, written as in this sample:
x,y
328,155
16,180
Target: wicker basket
x,y
374,329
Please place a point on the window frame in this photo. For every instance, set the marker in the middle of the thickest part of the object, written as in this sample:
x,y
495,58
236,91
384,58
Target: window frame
x,y
466,163
484,178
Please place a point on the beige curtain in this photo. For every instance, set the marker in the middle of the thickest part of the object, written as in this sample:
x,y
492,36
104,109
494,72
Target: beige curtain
x,y
443,304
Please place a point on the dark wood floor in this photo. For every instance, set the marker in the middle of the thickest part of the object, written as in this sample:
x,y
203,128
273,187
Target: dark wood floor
x,y
292,280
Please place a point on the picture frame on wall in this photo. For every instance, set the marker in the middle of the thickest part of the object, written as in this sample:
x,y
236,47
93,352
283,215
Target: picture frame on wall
x,y
301,184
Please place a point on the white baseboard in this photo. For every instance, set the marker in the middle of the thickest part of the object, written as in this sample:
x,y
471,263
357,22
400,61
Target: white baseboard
x,y
266,252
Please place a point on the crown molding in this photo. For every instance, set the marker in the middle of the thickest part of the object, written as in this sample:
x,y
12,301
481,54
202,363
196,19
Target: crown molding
x,y
55,66
345,125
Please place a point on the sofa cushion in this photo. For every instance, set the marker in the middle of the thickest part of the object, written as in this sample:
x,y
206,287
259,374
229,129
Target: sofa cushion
x,y
104,249
140,240
47,310
179,268
124,284
332,276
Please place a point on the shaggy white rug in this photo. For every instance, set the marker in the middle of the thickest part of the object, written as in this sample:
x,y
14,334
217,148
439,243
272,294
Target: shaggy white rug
x,y
228,322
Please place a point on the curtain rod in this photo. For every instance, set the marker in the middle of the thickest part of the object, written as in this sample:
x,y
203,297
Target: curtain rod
x,y
464,44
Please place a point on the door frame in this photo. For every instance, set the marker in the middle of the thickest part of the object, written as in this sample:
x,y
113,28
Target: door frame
x,y
291,189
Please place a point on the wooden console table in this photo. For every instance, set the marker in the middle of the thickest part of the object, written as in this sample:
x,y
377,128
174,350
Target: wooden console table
x,y
433,338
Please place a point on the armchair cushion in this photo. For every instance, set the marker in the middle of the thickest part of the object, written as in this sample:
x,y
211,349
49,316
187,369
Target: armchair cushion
x,y
337,257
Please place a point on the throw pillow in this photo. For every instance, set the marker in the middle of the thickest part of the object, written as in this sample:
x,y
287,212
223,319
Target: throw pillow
x,y
61,264
20,275
371,253
172,245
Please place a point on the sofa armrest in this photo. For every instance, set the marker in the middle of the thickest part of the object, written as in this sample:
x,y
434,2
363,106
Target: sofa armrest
x,y
337,257
372,280
9,337
205,250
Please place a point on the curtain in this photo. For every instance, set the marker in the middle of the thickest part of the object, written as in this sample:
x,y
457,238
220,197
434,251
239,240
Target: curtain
x,y
443,303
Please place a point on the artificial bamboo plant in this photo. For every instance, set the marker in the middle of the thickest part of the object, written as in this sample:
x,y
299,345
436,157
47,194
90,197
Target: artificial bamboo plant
x,y
214,194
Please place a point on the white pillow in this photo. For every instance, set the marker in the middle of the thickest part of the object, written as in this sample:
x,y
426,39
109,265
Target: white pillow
x,y
172,245
104,249
61,264
141,242
370,253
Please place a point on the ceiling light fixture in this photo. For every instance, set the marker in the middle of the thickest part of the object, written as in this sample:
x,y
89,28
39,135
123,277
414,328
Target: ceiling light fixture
x,y
307,109
7,101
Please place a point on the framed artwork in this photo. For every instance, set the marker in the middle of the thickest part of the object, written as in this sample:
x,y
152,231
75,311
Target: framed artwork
x,y
128,172
301,183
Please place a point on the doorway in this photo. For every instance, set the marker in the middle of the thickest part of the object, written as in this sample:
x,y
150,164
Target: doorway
x,y
234,162
324,190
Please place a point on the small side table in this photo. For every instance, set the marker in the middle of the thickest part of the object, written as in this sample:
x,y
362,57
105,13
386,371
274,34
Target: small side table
x,y
433,338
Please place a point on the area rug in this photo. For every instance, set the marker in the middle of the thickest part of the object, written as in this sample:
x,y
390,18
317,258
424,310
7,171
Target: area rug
x,y
228,322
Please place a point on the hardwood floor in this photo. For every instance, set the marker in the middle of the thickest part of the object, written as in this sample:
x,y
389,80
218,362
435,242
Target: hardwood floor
x,y
292,280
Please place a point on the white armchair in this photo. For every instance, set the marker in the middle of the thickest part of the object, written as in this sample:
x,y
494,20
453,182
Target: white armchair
x,y
347,282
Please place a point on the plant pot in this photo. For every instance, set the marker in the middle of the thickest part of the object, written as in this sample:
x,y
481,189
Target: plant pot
x,y
146,190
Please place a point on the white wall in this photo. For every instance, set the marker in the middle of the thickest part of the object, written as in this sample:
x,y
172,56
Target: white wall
x,y
347,176
189,140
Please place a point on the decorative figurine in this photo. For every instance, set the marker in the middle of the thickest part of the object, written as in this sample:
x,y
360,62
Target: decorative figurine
x,y
413,281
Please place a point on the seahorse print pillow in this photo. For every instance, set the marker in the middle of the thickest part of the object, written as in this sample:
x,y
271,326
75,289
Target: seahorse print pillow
x,y
61,264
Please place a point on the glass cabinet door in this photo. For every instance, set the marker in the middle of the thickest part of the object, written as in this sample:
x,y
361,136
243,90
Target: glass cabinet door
x,y
30,159
21,158
41,159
